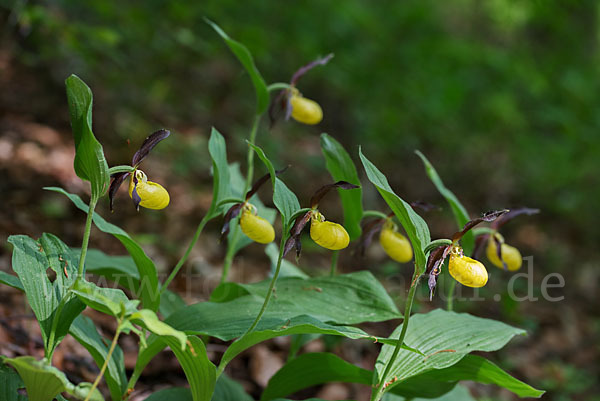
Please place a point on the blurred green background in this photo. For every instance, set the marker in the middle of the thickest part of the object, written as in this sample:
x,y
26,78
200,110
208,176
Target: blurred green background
x,y
503,96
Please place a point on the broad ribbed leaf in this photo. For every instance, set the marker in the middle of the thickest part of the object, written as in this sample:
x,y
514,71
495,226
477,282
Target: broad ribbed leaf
x,y
245,57
30,260
44,382
458,210
445,338
85,332
10,383
413,224
90,163
342,168
345,299
310,370
221,181
148,294
148,319
458,393
437,382
171,393
229,390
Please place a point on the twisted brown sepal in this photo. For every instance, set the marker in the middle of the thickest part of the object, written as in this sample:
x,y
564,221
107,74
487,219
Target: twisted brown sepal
x,y
424,206
321,192
487,217
116,180
434,266
231,214
258,183
149,143
294,240
306,68
369,229
512,214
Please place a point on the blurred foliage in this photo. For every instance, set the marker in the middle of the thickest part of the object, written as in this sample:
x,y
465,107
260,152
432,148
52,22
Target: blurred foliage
x,y
501,93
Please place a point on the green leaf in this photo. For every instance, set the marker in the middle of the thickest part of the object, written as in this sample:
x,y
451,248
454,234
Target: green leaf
x,y
148,319
221,180
345,299
149,293
413,224
229,390
110,301
310,370
458,393
284,199
11,281
287,268
44,382
342,168
170,302
30,260
122,270
445,338
171,393
90,163
474,368
458,210
85,332
10,383
245,57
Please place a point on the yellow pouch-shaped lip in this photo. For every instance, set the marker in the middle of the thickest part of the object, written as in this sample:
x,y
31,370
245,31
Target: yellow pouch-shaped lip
x,y
467,271
152,195
396,245
511,255
256,228
305,110
328,234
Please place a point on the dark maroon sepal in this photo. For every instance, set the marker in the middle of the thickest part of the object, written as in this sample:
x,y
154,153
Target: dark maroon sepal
x,y
321,192
231,214
116,180
149,143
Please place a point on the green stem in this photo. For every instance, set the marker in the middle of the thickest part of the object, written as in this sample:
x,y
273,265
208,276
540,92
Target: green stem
x,y
378,393
374,213
250,172
278,86
334,260
231,244
271,286
50,346
185,256
106,360
450,301
86,236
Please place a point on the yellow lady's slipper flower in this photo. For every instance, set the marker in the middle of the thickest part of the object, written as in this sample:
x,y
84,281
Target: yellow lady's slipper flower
x,y
255,227
152,195
467,271
510,255
305,110
396,245
328,234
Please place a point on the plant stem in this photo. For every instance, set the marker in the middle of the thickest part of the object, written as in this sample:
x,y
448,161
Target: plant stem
x,y
250,171
334,260
86,236
106,360
378,393
185,256
50,346
450,301
271,286
231,244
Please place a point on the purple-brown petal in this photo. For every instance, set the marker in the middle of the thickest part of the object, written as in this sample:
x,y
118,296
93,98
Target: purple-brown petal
x,y
116,180
149,143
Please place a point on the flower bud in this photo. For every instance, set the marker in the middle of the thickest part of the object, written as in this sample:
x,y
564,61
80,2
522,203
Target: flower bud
x,y
152,195
467,271
395,244
510,255
304,110
328,234
255,227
